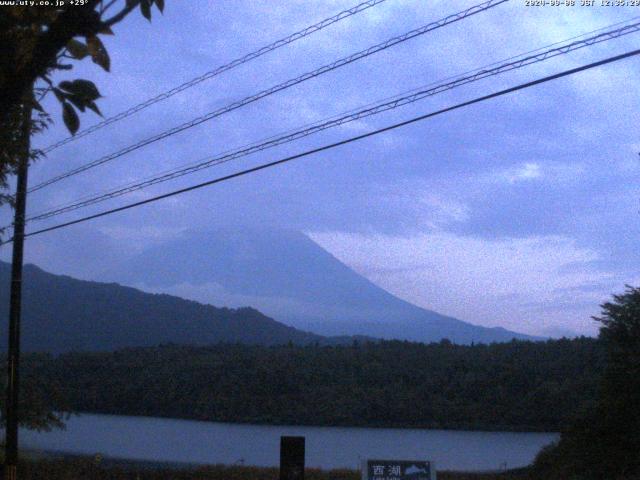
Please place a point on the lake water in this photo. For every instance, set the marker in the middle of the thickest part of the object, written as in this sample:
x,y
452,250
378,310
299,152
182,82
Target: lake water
x,y
172,440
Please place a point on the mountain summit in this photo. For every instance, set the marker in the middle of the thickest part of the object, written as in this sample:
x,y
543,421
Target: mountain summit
x,y
292,279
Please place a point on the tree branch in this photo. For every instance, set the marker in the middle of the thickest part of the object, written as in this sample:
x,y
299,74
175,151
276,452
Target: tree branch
x,y
123,13
70,23
107,6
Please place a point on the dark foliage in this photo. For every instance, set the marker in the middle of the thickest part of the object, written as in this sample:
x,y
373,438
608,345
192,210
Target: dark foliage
x,y
512,386
37,396
40,40
36,42
604,442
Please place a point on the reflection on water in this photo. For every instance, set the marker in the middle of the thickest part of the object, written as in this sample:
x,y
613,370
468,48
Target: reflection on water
x,y
172,440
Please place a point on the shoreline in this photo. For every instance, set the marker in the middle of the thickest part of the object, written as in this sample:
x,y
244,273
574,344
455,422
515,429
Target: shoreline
x,y
311,425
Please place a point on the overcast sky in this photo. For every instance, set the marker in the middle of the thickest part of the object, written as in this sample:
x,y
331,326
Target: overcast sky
x,y
520,212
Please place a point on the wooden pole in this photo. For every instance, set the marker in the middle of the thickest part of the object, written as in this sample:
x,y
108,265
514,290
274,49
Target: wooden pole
x,y
13,358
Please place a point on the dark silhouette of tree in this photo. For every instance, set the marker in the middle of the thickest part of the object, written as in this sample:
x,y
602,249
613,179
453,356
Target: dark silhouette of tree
x,y
37,41
604,443
39,393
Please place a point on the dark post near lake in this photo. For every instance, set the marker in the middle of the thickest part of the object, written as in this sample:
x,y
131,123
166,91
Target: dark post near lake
x,y
13,355
292,458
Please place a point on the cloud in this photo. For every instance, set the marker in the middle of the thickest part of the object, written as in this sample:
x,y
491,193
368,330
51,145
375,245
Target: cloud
x,y
141,236
519,283
423,205
522,173
442,210
541,171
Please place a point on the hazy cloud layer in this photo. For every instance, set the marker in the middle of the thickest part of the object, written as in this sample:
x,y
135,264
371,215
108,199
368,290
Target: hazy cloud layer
x,y
516,283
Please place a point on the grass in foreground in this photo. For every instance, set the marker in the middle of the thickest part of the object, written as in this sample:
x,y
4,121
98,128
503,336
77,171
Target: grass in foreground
x,y
81,469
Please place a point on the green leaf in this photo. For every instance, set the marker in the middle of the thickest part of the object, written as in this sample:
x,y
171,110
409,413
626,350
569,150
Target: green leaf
x,y
98,53
77,49
94,107
65,86
59,94
37,106
70,118
145,8
79,103
160,5
84,89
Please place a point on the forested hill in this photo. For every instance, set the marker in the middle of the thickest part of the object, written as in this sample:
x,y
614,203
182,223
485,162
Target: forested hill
x,y
63,314
510,386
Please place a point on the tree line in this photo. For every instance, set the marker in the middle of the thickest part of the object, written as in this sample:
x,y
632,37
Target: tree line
x,y
510,386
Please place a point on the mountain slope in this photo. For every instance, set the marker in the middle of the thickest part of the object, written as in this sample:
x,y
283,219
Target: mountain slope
x,y
62,314
291,278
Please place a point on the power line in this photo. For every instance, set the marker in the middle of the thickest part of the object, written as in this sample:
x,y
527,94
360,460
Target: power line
x,y
277,88
218,70
264,139
335,116
395,102
342,142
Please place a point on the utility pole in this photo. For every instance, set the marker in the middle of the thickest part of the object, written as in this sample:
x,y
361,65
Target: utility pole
x,y
13,356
